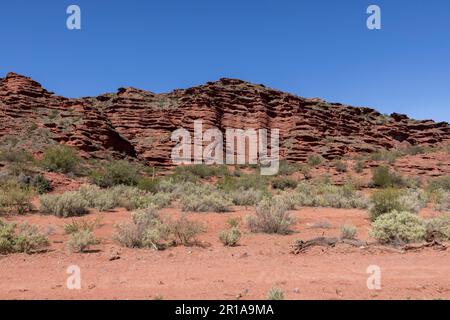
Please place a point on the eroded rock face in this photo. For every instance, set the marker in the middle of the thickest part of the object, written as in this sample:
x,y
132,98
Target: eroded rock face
x,y
32,116
139,123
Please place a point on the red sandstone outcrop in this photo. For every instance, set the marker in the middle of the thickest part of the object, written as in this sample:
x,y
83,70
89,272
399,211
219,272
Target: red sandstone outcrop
x,y
139,123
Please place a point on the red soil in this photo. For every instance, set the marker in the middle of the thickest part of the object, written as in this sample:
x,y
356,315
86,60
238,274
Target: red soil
x,y
212,271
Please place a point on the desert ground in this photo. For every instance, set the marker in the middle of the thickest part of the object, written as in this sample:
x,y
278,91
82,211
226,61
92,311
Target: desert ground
x,y
213,271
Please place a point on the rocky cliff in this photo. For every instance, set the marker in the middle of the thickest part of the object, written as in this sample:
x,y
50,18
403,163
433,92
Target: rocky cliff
x,y
138,123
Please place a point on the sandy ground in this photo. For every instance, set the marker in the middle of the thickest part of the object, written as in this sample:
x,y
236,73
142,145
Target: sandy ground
x,y
212,271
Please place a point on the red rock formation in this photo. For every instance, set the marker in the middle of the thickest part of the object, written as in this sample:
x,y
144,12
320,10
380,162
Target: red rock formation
x,y
139,123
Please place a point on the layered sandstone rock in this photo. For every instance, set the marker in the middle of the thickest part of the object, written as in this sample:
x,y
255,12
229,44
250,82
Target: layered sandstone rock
x,y
138,123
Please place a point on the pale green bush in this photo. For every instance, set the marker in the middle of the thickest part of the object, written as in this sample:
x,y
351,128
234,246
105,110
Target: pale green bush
x,y
348,232
441,200
326,195
275,294
438,228
15,198
64,205
385,201
230,237
81,241
149,230
249,197
398,227
210,202
100,199
21,238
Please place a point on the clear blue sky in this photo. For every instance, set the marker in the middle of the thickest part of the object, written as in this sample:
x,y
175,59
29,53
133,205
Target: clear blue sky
x,y
313,48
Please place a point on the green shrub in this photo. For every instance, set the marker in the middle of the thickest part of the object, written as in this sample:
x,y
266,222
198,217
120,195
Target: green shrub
x,y
348,232
315,160
22,238
233,222
286,168
133,198
100,199
60,159
383,178
249,197
386,155
81,241
41,184
441,200
253,181
202,171
327,195
284,183
385,201
413,200
15,198
64,205
341,166
275,294
271,217
116,173
438,228
148,184
440,183
210,202
14,155
230,237
306,171
359,167
398,227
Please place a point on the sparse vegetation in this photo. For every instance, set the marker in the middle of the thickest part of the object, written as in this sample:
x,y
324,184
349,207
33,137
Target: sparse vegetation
x,y
442,183
116,173
398,227
202,171
81,240
385,201
275,294
41,184
149,230
243,197
359,166
383,178
315,160
230,237
341,166
185,231
15,198
271,217
284,183
348,232
438,228
61,159
82,224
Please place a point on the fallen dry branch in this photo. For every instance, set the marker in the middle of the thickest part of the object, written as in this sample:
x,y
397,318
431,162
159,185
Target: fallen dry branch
x,y
301,246
432,244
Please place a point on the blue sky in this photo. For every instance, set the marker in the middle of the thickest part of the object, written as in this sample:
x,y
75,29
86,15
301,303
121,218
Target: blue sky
x,y
319,48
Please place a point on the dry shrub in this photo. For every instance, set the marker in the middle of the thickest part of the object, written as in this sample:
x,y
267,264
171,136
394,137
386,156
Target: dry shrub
x,y
271,217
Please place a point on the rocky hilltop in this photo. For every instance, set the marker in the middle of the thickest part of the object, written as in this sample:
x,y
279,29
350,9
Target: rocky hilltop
x,y
138,123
